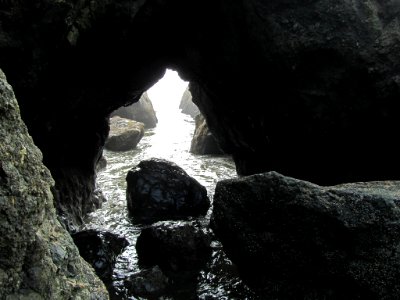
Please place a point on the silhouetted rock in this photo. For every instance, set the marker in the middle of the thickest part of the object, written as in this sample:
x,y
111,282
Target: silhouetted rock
x,y
187,106
160,190
180,248
100,249
124,134
38,259
141,111
203,141
298,240
149,283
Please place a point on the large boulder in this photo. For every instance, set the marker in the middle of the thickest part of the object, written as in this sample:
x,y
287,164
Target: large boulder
x,y
179,248
38,259
298,240
141,111
187,106
124,134
203,141
160,190
100,249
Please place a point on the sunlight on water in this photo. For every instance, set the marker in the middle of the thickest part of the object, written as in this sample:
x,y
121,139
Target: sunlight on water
x,y
169,140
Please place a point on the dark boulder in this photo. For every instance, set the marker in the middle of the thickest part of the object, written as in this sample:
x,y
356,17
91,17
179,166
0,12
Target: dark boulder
x,y
149,283
161,190
298,240
187,106
180,248
124,134
100,249
141,111
203,141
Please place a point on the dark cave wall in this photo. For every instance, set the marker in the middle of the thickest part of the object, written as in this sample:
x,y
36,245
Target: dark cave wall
x,y
309,89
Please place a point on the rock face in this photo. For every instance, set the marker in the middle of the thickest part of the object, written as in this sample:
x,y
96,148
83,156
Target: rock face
x,y
307,89
161,190
203,141
141,111
38,259
100,250
187,106
179,248
304,241
124,134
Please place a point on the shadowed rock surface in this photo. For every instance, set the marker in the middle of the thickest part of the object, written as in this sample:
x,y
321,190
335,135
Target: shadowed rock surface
x,y
160,190
38,259
179,248
124,134
203,141
297,240
141,111
149,283
100,249
187,106
307,89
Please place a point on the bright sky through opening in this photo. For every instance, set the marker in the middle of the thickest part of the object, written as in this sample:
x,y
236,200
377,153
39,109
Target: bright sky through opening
x,y
166,94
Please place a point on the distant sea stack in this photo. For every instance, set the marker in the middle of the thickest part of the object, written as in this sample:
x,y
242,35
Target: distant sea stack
x,y
203,141
187,106
141,111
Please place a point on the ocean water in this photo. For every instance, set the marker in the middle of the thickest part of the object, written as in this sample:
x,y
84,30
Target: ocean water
x,y
170,140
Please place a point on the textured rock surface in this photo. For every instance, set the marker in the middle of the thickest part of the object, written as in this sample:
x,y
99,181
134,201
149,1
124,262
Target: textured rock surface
x,y
203,141
141,111
124,134
179,248
100,249
38,259
298,240
160,190
187,106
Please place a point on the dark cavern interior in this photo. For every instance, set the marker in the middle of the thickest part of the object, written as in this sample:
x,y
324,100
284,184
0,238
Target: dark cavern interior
x,y
304,95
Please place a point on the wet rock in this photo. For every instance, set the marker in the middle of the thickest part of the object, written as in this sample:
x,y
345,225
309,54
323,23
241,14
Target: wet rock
x,y
101,164
161,190
100,249
179,248
297,240
203,141
38,259
124,134
187,106
141,111
148,283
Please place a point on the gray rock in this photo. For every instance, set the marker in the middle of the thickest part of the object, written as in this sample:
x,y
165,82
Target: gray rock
x,y
124,134
180,248
149,283
141,111
203,141
298,240
187,106
38,259
101,164
160,190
